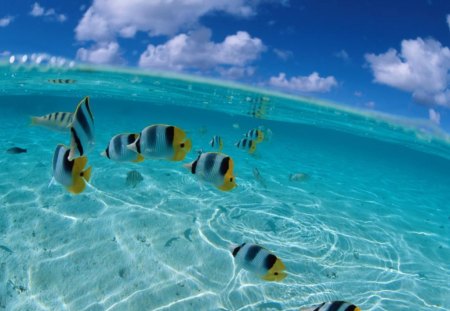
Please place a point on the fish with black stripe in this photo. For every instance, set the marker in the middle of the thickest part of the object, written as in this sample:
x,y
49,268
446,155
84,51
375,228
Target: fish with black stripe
x,y
117,149
246,144
215,168
59,121
162,141
255,135
82,130
260,261
62,81
333,306
216,142
70,173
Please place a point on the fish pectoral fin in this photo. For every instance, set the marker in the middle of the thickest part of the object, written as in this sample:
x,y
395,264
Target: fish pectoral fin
x,y
139,158
52,182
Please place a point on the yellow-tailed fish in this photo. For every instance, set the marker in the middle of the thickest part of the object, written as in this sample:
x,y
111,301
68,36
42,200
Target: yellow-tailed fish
x,y
117,149
70,173
216,142
333,306
215,168
246,144
255,135
162,141
59,121
82,130
260,261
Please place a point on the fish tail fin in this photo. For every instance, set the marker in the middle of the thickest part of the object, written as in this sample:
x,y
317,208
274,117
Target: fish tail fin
x,y
86,174
34,120
139,158
252,147
78,185
188,166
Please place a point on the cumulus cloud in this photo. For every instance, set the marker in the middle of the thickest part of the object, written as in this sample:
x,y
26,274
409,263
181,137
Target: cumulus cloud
x,y
422,68
5,21
311,83
101,53
106,19
37,10
195,50
448,20
434,116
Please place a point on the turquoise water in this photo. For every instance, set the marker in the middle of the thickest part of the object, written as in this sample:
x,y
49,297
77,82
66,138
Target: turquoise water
x,y
370,225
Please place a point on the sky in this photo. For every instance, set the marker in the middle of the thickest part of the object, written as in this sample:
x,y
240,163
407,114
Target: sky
x,y
384,55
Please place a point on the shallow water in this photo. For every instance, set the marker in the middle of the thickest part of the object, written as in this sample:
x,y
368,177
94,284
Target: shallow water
x,y
370,225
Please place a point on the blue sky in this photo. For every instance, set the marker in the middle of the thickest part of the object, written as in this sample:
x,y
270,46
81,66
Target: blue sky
x,y
391,56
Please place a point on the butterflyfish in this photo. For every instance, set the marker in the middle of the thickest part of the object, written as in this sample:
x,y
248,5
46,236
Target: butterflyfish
x,y
70,173
117,149
161,141
260,261
82,130
215,168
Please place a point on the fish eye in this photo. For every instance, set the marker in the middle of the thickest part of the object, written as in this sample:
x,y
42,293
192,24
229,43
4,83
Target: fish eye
x,y
182,145
231,179
276,273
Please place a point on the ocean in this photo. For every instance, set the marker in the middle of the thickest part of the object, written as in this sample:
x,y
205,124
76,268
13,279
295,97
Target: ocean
x,y
366,221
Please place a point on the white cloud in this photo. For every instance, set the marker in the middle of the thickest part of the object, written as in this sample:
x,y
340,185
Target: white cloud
x,y
311,83
5,21
342,54
194,51
236,72
358,93
37,10
448,20
101,53
106,19
422,68
434,116
283,54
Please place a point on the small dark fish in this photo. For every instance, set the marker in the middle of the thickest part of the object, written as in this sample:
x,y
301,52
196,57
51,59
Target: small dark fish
x,y
62,81
15,150
170,241
187,234
6,249
134,178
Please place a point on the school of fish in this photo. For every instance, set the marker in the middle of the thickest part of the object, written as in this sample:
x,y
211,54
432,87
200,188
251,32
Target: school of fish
x,y
170,143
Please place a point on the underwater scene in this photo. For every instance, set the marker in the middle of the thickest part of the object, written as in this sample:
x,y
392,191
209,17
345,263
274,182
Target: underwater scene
x,y
128,190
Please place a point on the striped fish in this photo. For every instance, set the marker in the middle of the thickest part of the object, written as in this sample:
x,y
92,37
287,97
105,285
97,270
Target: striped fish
x,y
216,142
82,130
259,260
215,168
162,141
255,135
117,149
70,173
333,306
59,121
62,81
246,144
